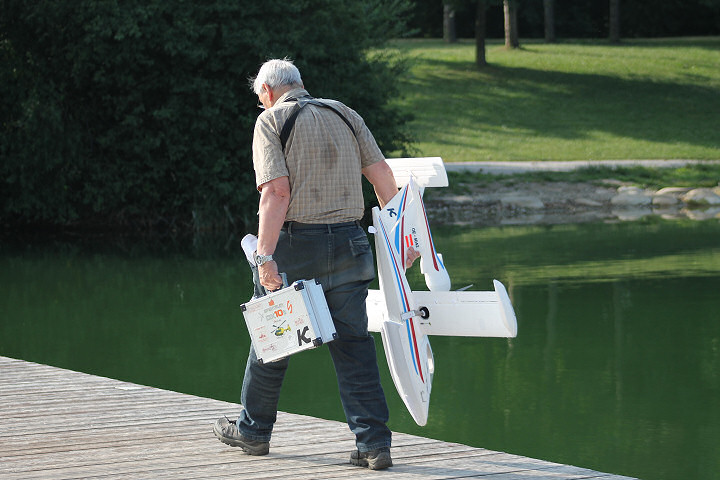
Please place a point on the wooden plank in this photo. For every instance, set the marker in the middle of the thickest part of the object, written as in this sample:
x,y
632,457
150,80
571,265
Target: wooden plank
x,y
67,425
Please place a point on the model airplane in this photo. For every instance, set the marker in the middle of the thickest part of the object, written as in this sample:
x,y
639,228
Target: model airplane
x,y
404,317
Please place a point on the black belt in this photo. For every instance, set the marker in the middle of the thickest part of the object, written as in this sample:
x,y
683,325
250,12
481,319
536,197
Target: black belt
x,y
319,227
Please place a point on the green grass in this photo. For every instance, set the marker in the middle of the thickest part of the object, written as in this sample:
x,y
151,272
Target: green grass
x,y
580,100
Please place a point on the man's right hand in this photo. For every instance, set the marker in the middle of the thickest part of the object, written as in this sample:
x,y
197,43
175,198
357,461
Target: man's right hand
x,y
269,276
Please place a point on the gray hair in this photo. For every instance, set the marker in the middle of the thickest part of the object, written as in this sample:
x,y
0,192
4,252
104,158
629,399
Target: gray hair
x,y
276,73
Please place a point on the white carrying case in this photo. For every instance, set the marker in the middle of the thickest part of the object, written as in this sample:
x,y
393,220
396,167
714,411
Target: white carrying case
x,y
288,321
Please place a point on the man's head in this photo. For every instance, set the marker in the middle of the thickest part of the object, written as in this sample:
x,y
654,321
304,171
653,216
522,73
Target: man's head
x,y
275,78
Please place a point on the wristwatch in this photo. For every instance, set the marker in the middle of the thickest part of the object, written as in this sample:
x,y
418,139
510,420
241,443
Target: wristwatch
x,y
262,259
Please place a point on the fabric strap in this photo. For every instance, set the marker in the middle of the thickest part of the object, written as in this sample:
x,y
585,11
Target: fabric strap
x,y
301,102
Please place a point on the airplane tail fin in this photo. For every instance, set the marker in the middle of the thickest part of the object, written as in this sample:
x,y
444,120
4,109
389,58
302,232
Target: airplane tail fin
x,y
427,171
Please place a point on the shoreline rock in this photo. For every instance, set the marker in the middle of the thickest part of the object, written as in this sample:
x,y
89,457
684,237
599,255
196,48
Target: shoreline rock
x,y
702,197
530,203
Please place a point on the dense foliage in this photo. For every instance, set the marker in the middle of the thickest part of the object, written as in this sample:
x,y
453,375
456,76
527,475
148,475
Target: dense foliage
x,y
138,113
577,18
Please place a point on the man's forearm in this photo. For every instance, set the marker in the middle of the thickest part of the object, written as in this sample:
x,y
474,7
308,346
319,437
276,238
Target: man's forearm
x,y
383,181
274,203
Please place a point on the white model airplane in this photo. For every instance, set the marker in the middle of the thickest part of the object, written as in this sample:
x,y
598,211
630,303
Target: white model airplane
x,y
404,317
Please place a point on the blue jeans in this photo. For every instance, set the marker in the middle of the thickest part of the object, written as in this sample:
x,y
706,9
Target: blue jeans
x,y
339,257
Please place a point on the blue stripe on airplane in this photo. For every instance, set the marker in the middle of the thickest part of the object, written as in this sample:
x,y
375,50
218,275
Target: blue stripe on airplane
x,y
403,296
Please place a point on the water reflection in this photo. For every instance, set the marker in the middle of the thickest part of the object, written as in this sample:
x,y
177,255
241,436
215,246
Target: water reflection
x,y
616,366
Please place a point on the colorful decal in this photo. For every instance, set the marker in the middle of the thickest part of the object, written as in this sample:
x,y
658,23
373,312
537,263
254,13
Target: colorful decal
x,y
280,331
400,232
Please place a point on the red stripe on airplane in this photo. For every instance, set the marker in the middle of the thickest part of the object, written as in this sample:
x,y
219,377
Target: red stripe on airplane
x,y
417,352
432,246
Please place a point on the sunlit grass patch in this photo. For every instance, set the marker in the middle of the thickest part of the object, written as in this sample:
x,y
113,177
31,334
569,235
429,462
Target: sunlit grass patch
x,y
584,100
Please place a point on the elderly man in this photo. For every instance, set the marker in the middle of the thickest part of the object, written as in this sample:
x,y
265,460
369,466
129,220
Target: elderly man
x,y
309,156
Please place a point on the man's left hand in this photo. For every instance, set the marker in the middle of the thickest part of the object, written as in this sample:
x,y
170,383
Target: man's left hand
x,y
410,257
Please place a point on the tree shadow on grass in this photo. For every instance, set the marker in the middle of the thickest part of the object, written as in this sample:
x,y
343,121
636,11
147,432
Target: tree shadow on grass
x,y
566,106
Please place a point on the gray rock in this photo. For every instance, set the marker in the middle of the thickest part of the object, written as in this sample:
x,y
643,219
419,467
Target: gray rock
x,y
459,198
630,190
631,199
701,197
665,199
675,191
522,201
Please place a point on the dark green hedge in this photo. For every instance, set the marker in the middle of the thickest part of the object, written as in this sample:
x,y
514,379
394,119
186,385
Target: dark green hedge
x,y
138,113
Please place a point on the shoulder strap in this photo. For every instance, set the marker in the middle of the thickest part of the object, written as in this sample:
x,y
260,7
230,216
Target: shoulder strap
x,y
301,102
289,125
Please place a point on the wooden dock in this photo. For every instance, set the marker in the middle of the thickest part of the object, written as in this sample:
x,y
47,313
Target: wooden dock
x,y
59,424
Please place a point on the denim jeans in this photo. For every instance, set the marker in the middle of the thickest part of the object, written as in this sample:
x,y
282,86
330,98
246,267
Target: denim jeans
x,y
340,258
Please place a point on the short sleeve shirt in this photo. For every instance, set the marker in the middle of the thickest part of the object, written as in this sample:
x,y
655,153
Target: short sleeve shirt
x,y
322,158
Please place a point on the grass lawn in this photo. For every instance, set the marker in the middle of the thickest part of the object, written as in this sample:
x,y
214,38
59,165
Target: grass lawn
x,y
575,100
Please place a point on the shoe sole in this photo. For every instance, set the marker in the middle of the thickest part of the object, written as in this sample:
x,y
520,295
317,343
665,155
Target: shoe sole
x,y
255,451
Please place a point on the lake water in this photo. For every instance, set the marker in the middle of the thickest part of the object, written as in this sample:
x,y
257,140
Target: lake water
x,y
616,366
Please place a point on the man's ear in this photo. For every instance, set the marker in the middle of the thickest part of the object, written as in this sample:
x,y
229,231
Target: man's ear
x,y
270,93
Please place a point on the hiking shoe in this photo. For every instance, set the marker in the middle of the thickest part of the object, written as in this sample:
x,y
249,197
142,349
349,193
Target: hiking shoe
x,y
374,459
227,432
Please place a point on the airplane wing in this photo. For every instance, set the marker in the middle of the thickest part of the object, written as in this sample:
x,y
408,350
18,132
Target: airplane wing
x,y
456,314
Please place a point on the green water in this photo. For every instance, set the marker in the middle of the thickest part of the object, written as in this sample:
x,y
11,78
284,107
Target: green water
x,y
616,366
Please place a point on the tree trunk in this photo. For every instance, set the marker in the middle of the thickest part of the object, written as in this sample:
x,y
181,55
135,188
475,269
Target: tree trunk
x,y
549,7
480,27
614,21
511,33
449,32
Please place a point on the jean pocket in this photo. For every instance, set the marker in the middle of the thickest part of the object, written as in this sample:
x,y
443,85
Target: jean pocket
x,y
359,246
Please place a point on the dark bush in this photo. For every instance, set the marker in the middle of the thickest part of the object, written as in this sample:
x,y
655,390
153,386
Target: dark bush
x,y
138,114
